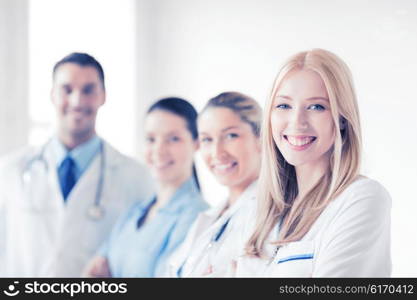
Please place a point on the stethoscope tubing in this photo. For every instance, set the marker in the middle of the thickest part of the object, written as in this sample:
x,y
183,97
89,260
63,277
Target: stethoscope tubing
x,y
96,211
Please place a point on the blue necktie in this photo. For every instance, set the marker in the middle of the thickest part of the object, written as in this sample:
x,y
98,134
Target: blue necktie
x,y
66,174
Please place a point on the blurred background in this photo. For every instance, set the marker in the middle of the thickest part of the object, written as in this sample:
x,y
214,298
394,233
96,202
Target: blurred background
x,y
196,49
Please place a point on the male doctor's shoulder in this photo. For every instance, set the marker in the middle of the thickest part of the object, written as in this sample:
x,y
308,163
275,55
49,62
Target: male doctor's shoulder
x,y
13,165
132,174
17,158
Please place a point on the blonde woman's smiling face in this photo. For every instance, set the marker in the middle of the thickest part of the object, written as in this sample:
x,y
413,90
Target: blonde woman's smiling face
x,y
301,121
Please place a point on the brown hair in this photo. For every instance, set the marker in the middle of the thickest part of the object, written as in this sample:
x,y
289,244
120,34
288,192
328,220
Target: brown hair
x,y
244,106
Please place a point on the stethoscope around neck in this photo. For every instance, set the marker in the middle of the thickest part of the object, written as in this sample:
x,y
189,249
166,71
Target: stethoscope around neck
x,y
96,210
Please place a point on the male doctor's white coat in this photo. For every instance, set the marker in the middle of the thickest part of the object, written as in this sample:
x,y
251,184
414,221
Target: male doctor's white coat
x,y
40,234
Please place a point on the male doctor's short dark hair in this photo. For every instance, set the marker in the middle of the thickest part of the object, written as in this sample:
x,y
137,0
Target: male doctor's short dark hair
x,y
83,60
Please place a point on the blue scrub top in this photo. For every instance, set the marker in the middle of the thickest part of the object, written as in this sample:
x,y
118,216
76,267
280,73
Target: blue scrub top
x,y
143,251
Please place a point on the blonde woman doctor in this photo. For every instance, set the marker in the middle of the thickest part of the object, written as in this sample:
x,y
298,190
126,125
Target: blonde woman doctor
x,y
317,216
229,143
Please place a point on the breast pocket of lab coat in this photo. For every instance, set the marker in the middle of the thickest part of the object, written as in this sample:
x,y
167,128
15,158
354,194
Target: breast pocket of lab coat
x,y
293,260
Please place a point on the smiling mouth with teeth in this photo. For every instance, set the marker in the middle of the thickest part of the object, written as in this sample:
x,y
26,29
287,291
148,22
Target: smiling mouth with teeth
x,y
300,141
222,168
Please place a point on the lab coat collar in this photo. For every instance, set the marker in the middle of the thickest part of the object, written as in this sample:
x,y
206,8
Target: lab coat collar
x,y
54,154
113,157
249,194
82,155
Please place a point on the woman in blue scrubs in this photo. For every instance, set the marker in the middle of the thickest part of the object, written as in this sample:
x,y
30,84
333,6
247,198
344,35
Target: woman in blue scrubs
x,y
151,230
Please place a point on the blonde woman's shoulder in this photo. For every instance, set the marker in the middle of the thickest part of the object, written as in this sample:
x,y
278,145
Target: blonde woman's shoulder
x,y
367,191
353,237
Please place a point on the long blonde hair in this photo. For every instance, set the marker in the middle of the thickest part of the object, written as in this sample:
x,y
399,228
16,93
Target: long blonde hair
x,y
277,182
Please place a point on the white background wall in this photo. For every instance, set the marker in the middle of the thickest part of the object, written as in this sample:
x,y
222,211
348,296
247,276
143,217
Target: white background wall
x,y
104,28
196,49
13,74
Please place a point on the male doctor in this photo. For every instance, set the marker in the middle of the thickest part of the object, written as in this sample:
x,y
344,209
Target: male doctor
x,y
59,202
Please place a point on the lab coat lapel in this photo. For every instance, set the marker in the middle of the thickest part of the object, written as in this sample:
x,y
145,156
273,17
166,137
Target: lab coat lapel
x,y
207,218
83,193
80,199
52,197
202,222
112,161
56,198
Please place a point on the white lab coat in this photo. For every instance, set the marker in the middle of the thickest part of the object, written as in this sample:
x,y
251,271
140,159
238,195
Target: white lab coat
x,y
351,238
40,235
195,255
